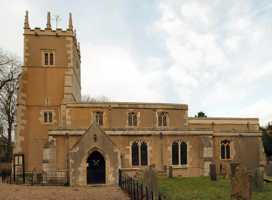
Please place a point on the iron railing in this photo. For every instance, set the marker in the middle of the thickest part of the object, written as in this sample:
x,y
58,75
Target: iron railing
x,y
42,178
137,190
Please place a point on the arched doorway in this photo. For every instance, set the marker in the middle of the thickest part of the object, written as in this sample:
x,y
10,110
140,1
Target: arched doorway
x,y
95,168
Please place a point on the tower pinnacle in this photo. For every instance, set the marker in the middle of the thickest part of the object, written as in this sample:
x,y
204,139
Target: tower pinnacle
x,y
26,25
70,25
48,24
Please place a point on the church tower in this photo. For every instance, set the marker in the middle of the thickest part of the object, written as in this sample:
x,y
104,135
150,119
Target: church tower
x,y
50,79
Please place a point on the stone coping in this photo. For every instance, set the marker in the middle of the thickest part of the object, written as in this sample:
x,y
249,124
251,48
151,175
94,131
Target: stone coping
x,y
246,134
130,105
53,32
223,120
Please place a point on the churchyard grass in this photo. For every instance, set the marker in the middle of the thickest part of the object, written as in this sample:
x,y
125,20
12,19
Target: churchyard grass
x,y
202,188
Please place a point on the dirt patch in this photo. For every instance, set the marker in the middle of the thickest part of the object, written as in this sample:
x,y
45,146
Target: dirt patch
x,y
20,192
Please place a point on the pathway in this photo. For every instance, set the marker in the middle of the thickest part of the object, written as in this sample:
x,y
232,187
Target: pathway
x,y
20,192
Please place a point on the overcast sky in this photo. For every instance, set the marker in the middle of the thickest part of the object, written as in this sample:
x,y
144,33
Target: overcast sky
x,y
214,55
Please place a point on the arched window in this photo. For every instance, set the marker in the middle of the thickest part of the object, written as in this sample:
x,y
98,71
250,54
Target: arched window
x,y
183,153
139,154
179,153
162,119
132,119
135,153
175,153
144,154
225,149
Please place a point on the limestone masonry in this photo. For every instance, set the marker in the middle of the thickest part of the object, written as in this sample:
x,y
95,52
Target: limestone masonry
x,y
90,142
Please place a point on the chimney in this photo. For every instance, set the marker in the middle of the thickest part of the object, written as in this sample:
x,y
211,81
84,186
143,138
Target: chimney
x,y
48,24
26,25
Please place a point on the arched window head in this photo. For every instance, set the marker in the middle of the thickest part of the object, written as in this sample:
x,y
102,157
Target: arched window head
x,y
225,149
135,153
162,119
132,119
179,153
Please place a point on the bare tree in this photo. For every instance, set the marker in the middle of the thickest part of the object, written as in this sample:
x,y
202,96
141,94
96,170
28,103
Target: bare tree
x,y
7,62
8,96
87,98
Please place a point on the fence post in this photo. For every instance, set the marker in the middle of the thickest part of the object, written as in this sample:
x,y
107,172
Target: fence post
x,y
133,186
146,193
160,196
32,178
132,190
120,178
137,191
142,191
125,183
130,180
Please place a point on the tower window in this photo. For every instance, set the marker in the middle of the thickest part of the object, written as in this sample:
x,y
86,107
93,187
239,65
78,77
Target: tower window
x,y
48,57
132,119
99,118
47,117
225,149
51,59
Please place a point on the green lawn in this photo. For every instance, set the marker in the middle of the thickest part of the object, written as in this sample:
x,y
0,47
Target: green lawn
x,y
201,188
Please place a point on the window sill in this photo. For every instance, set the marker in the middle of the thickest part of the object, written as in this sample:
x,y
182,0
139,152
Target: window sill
x,y
179,166
48,123
163,127
132,127
226,159
133,168
48,65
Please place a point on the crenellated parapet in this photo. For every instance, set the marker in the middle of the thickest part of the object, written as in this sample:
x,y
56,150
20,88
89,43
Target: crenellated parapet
x,y
49,31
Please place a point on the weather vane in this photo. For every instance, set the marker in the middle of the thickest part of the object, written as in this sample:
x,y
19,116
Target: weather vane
x,y
57,19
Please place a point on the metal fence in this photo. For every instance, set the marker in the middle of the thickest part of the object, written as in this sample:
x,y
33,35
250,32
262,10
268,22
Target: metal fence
x,y
137,190
42,178
5,176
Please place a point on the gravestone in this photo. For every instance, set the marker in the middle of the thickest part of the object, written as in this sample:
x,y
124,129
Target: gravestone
x,y
213,174
233,166
223,170
170,172
241,184
269,169
258,179
34,176
151,179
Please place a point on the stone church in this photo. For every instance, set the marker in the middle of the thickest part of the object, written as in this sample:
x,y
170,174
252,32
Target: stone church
x,y
91,141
